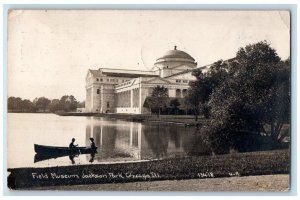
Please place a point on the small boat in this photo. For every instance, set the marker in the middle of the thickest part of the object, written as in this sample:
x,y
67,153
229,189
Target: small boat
x,y
52,150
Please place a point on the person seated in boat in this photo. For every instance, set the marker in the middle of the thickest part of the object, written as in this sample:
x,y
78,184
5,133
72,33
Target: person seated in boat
x,y
93,146
72,145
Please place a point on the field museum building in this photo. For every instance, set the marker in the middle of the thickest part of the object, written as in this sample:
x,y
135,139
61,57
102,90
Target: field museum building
x,y
125,91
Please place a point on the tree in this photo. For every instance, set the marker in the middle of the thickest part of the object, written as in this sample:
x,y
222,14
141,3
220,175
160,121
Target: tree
x,y
81,104
28,106
54,105
42,103
200,90
14,104
68,103
255,98
158,99
174,104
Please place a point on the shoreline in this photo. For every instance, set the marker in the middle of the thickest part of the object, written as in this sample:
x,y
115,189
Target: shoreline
x,y
203,167
186,120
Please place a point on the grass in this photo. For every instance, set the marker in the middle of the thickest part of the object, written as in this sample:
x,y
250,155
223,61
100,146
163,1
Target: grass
x,y
178,119
236,164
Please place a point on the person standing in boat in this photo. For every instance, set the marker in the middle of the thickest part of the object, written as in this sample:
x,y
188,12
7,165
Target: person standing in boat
x,y
93,146
72,145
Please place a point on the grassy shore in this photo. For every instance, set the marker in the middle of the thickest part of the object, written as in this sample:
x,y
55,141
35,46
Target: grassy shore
x,y
262,183
237,164
178,119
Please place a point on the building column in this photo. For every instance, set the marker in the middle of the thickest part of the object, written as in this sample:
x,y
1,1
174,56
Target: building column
x,y
139,140
92,100
101,136
131,98
140,99
131,134
121,99
101,99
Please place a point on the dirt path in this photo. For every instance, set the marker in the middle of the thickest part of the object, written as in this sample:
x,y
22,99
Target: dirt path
x,y
248,183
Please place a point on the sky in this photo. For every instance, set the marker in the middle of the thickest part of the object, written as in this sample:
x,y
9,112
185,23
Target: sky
x,y
50,51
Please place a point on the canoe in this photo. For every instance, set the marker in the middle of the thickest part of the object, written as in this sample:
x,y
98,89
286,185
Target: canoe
x,y
52,150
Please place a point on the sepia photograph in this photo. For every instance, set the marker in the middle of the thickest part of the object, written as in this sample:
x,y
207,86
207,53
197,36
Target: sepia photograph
x,y
149,100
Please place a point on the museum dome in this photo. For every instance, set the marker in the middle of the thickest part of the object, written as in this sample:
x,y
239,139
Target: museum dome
x,y
175,55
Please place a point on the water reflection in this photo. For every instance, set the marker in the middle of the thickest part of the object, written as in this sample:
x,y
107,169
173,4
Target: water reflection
x,y
120,141
196,143
127,141
117,141
157,139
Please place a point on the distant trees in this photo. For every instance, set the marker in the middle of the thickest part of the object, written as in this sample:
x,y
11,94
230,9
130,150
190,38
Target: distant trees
x,y
81,104
67,103
54,105
16,104
42,103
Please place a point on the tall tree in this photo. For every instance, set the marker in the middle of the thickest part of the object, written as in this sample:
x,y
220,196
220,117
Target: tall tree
x,y
255,98
158,99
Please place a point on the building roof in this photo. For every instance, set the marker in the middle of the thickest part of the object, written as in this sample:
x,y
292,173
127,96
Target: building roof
x,y
199,68
176,54
123,73
188,71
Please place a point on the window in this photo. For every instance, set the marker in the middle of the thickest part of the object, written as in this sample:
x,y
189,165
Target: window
x,y
178,81
97,79
107,104
101,79
98,91
108,80
185,81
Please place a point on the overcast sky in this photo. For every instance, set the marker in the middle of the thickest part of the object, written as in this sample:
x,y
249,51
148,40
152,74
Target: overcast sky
x,y
50,52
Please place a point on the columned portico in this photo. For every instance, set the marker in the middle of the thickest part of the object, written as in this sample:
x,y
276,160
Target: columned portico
x,y
128,96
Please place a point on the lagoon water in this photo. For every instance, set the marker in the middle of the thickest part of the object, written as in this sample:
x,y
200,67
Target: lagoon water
x,y
117,140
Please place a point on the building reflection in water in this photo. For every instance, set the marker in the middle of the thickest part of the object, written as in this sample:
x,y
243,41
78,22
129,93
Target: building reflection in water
x,y
116,141
119,141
